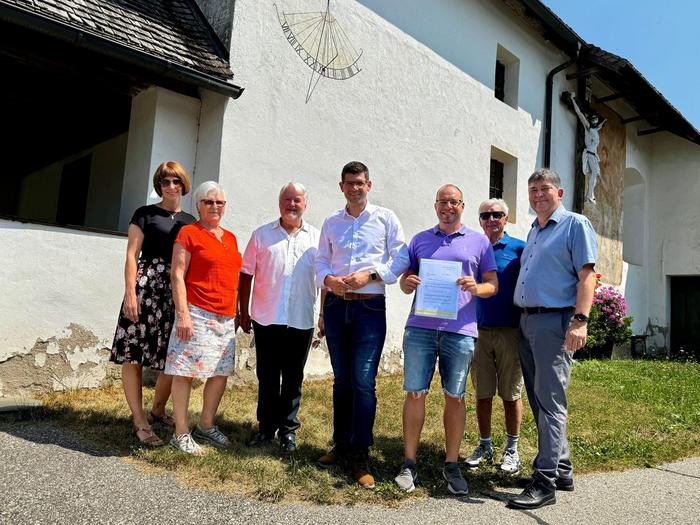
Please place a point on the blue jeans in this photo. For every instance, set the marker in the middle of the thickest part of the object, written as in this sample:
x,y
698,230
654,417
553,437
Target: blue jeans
x,y
355,332
421,349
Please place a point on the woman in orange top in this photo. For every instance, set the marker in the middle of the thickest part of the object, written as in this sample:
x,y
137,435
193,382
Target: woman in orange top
x,y
205,268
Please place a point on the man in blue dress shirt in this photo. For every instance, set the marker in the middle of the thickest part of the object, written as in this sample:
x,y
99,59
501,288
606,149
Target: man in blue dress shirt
x,y
496,365
555,290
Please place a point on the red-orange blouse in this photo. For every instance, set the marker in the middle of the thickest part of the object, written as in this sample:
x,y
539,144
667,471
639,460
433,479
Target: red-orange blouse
x,y
212,275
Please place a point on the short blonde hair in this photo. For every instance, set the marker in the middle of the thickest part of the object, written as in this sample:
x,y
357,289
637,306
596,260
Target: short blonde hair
x,y
171,169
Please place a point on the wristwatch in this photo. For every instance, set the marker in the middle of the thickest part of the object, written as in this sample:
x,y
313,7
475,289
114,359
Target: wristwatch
x,y
373,275
581,318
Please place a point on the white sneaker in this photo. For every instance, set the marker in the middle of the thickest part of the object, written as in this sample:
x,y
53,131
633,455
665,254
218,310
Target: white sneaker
x,y
481,453
510,461
188,445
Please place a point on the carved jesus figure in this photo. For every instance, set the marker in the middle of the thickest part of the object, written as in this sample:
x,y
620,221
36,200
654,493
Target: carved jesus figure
x,y
590,162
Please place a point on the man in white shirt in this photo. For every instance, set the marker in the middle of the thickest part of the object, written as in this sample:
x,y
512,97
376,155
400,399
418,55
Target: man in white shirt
x,y
280,256
361,249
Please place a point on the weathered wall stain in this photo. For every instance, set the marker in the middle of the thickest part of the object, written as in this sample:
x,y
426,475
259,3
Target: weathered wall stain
x,y
76,358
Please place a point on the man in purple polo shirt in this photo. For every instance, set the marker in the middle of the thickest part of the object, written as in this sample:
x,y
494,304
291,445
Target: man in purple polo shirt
x,y
427,338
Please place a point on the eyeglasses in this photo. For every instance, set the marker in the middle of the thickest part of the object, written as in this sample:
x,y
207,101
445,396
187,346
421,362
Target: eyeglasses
x,y
486,215
209,202
354,183
170,182
453,202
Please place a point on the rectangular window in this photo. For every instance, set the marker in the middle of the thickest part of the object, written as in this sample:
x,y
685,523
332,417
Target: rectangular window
x,y
496,180
503,180
505,87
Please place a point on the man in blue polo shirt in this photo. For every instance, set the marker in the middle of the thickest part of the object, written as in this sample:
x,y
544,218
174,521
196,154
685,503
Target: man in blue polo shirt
x,y
496,366
555,290
452,340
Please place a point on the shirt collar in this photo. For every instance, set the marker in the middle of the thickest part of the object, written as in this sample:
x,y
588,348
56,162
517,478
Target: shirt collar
x,y
503,240
369,208
462,231
278,225
556,216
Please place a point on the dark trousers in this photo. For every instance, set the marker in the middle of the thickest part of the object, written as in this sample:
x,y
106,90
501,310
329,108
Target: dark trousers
x,y
281,353
355,332
546,371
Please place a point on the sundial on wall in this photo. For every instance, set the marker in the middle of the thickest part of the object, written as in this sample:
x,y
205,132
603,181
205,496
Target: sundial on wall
x,y
323,45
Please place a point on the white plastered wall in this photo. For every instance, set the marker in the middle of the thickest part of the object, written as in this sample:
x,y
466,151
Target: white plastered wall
x,y
674,238
412,114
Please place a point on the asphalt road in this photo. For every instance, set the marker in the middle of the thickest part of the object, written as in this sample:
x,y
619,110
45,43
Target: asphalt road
x,y
47,475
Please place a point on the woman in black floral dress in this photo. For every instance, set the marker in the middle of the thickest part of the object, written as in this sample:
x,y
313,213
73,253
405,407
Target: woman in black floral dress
x,y
146,318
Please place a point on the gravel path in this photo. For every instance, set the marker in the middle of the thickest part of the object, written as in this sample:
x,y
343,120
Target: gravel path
x,y
47,475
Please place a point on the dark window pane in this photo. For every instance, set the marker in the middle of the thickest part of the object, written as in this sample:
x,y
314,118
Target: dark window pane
x,y
496,180
500,83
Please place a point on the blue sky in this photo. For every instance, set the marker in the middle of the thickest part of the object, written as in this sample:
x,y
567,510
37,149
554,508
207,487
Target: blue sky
x,y
661,39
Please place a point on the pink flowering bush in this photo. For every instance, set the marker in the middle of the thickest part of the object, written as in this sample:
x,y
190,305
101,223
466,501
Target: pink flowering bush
x,y
608,324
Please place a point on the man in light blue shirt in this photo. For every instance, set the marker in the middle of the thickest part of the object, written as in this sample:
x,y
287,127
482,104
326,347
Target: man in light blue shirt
x,y
361,249
555,290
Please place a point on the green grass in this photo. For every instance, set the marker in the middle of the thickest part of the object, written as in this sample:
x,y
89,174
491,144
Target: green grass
x,y
622,414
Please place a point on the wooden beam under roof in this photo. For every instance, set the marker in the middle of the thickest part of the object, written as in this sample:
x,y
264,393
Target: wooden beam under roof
x,y
583,72
649,131
608,98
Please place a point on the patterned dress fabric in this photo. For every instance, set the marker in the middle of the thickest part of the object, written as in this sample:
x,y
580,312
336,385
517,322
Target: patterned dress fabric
x,y
211,350
146,341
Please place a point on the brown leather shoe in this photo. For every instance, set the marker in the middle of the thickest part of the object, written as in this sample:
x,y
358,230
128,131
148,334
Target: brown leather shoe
x,y
330,458
361,473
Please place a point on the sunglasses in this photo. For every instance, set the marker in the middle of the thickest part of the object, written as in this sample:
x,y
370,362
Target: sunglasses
x,y
486,215
209,202
170,182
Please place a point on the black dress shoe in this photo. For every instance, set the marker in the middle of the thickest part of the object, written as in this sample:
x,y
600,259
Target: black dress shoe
x,y
536,495
288,442
565,484
260,439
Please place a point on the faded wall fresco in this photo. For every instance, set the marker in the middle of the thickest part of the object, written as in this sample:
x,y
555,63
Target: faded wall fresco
x,y
606,214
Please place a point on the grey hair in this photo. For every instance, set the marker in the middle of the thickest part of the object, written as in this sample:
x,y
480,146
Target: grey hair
x,y
204,189
494,202
545,175
298,186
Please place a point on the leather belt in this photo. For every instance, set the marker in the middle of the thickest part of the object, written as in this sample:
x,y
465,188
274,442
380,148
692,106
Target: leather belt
x,y
545,310
352,296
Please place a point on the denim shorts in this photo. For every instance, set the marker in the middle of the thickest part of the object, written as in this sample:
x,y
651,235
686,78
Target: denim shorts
x,y
423,347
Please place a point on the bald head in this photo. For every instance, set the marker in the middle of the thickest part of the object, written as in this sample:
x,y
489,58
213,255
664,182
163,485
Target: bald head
x,y
448,187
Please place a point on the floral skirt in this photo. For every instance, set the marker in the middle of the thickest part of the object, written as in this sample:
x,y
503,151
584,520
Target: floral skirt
x,y
211,350
146,341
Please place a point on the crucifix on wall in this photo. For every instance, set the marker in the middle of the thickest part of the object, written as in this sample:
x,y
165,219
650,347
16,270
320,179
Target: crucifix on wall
x,y
590,161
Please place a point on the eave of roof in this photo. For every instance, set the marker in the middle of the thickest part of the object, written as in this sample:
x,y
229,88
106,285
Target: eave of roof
x,y
213,78
618,72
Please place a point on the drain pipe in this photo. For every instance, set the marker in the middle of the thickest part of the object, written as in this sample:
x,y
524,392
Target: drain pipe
x,y
548,107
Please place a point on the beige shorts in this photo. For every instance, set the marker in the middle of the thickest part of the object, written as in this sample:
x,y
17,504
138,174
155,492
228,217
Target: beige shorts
x,y
496,364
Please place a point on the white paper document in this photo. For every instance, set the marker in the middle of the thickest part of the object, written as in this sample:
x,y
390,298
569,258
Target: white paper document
x,y
438,293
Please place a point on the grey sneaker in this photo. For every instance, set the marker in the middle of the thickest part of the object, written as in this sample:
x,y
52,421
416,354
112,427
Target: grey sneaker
x,y
188,445
406,480
481,453
510,461
212,436
456,483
